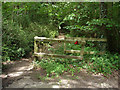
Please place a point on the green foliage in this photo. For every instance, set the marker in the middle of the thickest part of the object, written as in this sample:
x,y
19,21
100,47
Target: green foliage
x,y
42,30
20,26
41,78
18,42
105,64
107,22
23,21
14,42
12,53
52,67
96,64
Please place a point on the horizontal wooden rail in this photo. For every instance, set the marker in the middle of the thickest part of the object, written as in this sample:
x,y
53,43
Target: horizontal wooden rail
x,y
56,39
86,39
81,41
78,51
57,55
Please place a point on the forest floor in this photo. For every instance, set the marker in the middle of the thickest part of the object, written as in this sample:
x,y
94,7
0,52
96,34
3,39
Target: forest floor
x,y
21,74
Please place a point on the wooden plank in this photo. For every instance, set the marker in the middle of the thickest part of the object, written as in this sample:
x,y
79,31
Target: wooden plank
x,y
74,39
87,39
79,51
57,55
35,47
35,50
64,45
82,49
72,51
68,39
56,39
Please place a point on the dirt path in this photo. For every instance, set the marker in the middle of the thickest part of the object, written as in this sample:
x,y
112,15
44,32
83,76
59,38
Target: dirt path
x,y
21,74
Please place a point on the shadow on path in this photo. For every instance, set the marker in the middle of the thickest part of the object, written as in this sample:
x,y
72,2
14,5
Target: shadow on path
x,y
21,74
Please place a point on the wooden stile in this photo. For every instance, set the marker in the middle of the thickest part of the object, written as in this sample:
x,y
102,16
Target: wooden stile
x,y
86,39
56,39
81,41
58,55
79,51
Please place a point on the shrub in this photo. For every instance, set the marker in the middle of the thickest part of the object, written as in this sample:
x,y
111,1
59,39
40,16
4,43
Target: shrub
x,y
105,64
42,30
18,42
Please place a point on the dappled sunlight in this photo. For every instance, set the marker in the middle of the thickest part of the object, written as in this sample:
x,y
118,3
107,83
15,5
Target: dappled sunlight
x,y
98,75
102,85
60,45
81,82
17,70
20,70
15,74
67,81
3,76
74,81
85,80
92,83
24,59
64,81
26,68
8,62
55,86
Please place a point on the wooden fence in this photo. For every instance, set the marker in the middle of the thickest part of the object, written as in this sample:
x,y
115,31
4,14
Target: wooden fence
x,y
81,41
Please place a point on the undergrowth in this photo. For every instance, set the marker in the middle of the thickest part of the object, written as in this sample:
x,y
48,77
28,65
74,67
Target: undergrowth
x,y
104,64
18,41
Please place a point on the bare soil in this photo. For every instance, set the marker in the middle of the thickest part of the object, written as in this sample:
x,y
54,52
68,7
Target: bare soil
x,y
21,74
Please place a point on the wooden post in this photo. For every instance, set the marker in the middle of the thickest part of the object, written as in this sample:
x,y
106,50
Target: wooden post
x,y
35,48
64,46
65,40
57,55
87,52
82,48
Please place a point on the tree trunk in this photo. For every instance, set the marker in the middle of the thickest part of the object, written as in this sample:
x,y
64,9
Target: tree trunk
x,y
113,34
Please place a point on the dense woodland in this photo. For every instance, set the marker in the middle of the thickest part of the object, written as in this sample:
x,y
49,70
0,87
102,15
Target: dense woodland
x,y
23,21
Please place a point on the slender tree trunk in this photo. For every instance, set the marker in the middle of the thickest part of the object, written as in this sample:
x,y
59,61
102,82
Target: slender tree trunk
x,y
113,34
103,10
103,15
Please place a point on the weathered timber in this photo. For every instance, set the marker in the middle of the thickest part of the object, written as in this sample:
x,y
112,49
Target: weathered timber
x,y
79,51
35,47
56,39
64,45
86,39
57,55
81,41
82,49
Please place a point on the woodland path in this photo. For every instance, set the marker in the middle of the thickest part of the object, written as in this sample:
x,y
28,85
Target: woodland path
x,y
21,74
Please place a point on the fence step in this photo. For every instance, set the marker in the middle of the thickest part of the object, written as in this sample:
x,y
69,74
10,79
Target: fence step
x,y
57,55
